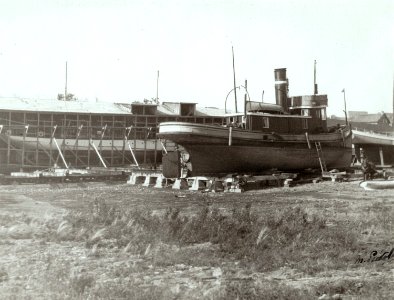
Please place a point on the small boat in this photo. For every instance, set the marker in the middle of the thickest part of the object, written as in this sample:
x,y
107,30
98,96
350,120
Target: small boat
x,y
291,135
377,184
373,138
378,147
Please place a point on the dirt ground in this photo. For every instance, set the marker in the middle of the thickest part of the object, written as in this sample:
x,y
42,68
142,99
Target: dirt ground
x,y
35,266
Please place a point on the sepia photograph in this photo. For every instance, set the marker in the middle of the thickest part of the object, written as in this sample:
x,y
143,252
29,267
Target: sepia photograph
x,y
196,149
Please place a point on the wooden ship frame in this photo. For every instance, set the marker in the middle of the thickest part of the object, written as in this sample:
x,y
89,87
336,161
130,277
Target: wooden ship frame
x,y
41,134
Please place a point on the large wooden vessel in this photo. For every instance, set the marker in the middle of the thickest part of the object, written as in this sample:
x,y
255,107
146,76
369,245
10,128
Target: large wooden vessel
x,y
289,135
38,134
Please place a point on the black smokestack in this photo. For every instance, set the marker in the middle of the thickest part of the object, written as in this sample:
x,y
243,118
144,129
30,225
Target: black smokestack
x,y
281,88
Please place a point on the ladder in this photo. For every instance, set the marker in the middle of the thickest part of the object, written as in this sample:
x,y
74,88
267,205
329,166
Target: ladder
x,y
321,157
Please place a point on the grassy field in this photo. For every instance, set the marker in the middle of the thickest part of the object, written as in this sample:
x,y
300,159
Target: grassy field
x,y
117,241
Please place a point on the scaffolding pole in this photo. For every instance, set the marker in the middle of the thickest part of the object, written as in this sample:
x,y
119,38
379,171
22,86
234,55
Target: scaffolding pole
x,y
57,146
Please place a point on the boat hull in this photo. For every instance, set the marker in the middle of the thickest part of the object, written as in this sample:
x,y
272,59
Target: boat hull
x,y
32,143
377,185
371,138
214,150
378,147
18,152
239,159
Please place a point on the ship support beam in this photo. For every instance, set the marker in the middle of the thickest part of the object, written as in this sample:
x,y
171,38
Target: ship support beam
x,y
126,139
98,153
381,156
57,146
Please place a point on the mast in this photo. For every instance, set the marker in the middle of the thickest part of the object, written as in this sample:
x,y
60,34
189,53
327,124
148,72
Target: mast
x,y
314,80
235,87
65,88
344,100
246,90
157,88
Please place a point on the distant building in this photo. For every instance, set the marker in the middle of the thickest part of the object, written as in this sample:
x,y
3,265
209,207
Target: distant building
x,y
356,113
380,122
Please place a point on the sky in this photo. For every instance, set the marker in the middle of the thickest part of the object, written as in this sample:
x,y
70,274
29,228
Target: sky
x,y
115,48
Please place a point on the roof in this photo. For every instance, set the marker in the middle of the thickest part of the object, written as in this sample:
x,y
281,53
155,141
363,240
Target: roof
x,y
177,102
368,118
390,117
365,117
260,106
79,106
355,113
374,122
91,107
210,111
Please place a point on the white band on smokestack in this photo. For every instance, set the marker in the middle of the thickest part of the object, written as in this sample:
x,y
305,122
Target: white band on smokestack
x,y
280,82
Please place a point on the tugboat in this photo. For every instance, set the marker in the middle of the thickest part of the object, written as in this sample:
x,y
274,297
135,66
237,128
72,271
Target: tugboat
x,y
291,135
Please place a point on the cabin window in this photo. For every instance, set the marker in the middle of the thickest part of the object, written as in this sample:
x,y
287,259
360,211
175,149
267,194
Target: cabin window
x,y
266,122
323,114
187,109
304,123
305,112
137,109
318,114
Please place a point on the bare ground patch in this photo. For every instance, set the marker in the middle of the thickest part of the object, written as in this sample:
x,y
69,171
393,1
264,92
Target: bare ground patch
x,y
118,241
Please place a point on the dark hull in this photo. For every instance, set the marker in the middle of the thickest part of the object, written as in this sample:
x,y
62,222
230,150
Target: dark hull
x,y
210,152
235,159
373,152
